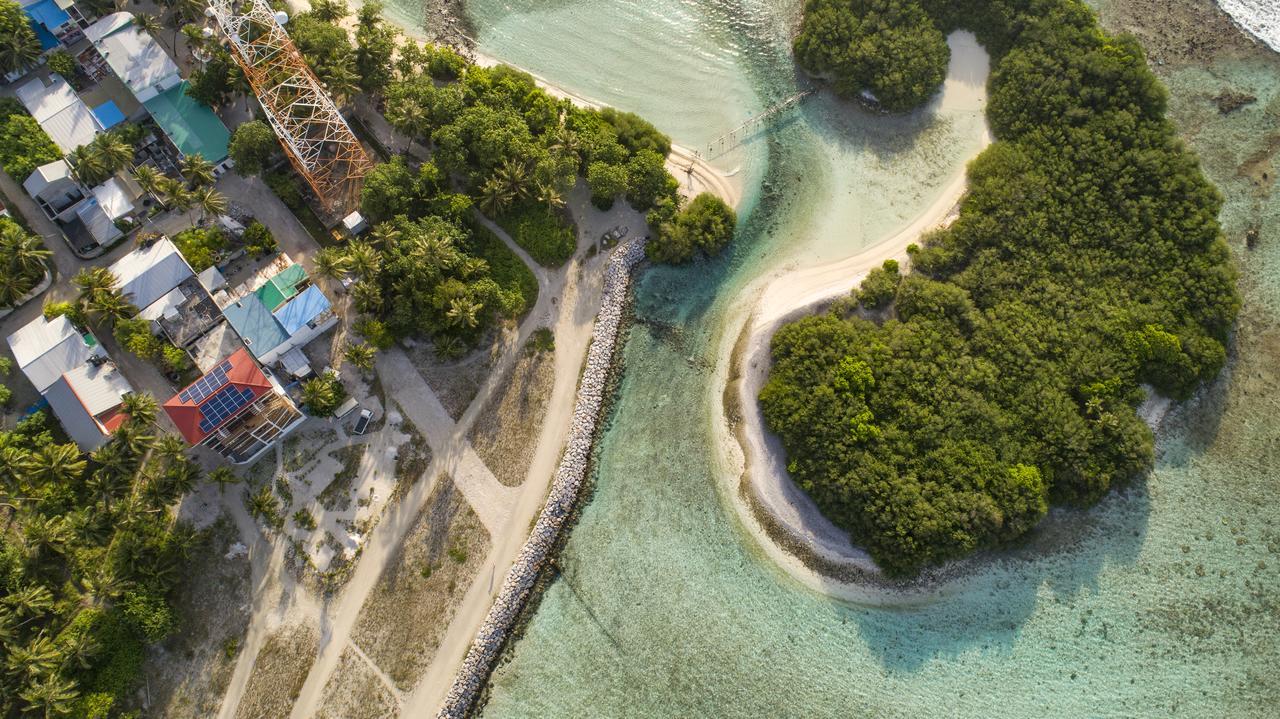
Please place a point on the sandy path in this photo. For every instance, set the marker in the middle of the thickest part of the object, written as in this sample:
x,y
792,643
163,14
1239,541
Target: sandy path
x,y
759,458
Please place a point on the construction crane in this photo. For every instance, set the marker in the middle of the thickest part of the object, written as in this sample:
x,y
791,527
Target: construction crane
x,y
316,139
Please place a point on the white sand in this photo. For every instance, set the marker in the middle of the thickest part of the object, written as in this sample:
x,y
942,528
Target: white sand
x,y
791,294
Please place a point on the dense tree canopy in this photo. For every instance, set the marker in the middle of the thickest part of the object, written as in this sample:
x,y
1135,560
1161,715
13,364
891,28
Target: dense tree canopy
x,y
890,48
87,561
1086,260
24,145
253,147
705,226
19,45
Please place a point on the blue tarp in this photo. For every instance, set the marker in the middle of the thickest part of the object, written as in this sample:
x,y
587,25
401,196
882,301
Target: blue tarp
x,y
108,114
47,13
46,38
297,312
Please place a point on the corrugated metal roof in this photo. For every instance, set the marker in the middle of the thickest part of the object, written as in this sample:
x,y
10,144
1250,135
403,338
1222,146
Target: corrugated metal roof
x,y
217,397
45,350
255,324
62,114
45,175
149,273
99,387
192,127
133,54
116,196
75,419
300,310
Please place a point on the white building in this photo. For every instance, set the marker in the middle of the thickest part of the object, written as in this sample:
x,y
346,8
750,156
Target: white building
x,y
59,111
75,375
134,56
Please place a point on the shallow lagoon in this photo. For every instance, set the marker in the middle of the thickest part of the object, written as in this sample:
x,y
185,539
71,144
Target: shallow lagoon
x,y
1163,601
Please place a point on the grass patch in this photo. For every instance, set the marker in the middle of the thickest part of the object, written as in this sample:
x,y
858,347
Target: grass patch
x,y
279,672
542,340
411,459
505,266
548,238
337,496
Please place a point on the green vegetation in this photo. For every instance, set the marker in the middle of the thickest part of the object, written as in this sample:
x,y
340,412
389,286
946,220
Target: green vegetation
x,y
19,45
24,146
1086,260
505,267
889,47
258,240
323,395
88,561
135,336
103,156
545,236
23,259
253,147
61,62
705,226
201,246
216,81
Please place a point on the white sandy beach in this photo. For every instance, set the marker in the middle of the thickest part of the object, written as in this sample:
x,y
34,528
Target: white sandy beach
x,y
759,458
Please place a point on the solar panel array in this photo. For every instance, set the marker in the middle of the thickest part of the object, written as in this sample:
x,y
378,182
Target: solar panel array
x,y
213,380
223,404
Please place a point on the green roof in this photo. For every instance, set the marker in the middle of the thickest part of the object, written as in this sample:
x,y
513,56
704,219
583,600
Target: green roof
x,y
282,287
190,125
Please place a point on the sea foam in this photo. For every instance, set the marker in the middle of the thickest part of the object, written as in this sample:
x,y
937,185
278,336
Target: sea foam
x,y
1260,17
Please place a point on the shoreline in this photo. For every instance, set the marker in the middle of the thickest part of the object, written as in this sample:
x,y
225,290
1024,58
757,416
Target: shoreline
x,y
784,522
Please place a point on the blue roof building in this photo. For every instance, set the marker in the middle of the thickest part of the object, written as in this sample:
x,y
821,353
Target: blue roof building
x,y
269,335
255,324
302,310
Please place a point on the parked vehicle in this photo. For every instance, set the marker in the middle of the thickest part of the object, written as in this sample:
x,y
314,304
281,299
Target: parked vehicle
x,y
362,424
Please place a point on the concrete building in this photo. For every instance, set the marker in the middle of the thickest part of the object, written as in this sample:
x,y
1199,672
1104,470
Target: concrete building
x,y
280,311
60,112
89,218
235,409
75,375
151,75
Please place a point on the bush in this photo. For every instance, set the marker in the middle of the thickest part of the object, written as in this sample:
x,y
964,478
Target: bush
x,y
879,286
24,146
253,147
201,246
548,239
705,226
375,332
505,267
150,614
607,183
135,336
61,62
648,180
258,240
323,395
636,133
888,47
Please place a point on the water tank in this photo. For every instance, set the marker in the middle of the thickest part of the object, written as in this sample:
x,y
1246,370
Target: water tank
x,y
282,17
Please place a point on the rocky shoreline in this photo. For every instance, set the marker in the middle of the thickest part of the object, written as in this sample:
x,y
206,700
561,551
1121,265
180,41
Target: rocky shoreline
x,y
565,488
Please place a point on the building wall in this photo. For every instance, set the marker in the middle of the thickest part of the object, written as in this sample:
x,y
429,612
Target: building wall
x,y
299,339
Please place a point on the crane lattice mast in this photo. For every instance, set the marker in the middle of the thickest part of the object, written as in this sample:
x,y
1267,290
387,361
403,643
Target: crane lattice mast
x,y
316,139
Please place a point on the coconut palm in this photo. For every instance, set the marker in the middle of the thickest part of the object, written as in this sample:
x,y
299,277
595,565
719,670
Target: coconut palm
x,y
367,296
146,22
262,503
550,196
18,49
385,235
175,195
360,355
210,202
495,198
114,153
320,393
514,176
340,80
54,464
197,170
331,263
196,41
41,534
148,179
171,448
408,117
363,260
31,601
24,254
223,477
94,282
51,696
463,312
109,307
89,165
140,407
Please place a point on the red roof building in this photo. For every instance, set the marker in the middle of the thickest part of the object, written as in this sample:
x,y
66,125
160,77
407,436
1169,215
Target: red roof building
x,y
233,409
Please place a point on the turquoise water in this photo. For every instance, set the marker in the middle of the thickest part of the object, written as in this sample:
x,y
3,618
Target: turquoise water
x,y
1163,601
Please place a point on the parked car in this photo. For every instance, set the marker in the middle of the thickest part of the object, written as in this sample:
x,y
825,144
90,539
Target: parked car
x,y
362,423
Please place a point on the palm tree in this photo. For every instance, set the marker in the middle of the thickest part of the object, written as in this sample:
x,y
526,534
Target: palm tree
x,y
262,504
109,307
175,194
385,234
197,170
495,198
331,263
41,533
114,152
147,23
24,253
148,179
196,40
407,116
89,165
550,196
32,602
319,393
340,80
223,477
210,202
360,355
463,312
367,296
171,448
18,50
55,464
515,176
140,407
363,260
51,696
94,282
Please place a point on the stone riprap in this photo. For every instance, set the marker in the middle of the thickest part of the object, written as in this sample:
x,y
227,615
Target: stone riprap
x,y
565,486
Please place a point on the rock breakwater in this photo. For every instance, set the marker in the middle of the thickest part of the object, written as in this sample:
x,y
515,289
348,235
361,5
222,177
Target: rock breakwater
x,y
566,485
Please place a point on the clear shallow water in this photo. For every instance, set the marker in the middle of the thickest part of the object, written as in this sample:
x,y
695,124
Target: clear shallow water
x,y
1164,601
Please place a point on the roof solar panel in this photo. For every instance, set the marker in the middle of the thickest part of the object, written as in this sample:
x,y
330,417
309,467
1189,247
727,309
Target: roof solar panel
x,y
223,404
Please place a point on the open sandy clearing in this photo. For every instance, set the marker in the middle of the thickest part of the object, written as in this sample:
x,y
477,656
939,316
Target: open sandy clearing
x,y
355,691
505,434
409,609
279,671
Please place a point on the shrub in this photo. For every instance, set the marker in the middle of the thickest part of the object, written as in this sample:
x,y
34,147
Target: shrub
x,y
135,336
24,146
61,62
648,180
201,246
705,226
607,183
636,133
258,240
548,239
879,286
375,332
